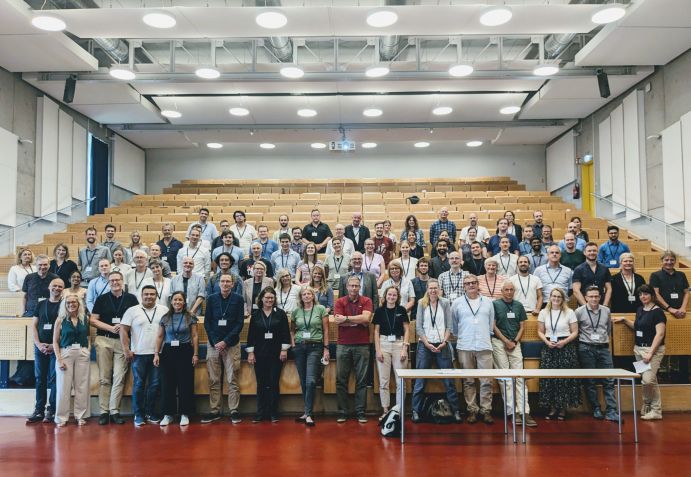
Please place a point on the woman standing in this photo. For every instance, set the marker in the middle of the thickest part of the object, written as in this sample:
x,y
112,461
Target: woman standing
x,y
287,293
75,287
406,293
72,361
408,263
411,225
135,244
649,328
372,262
388,232
324,293
309,260
310,329
624,286
416,250
19,271
580,233
119,264
558,329
61,265
177,334
161,283
514,229
391,332
268,341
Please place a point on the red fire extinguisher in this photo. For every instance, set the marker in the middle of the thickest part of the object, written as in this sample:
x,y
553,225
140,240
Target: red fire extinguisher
x,y
576,191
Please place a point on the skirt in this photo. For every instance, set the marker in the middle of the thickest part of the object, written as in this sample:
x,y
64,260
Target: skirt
x,y
560,393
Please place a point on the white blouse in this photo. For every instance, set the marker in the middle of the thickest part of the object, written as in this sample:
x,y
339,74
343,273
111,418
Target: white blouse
x,y
16,276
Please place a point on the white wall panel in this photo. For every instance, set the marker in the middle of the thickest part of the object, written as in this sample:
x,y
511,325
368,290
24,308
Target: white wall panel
x,y
65,138
129,166
45,197
561,169
604,158
634,156
8,178
686,163
672,174
79,158
618,162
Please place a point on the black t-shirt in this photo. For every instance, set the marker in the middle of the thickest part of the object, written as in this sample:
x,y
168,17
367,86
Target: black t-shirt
x,y
245,268
420,287
35,288
475,266
47,313
621,290
417,252
317,234
108,306
385,317
64,271
585,276
676,283
645,324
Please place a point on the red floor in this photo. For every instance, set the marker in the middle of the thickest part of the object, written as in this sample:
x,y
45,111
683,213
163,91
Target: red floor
x,y
578,447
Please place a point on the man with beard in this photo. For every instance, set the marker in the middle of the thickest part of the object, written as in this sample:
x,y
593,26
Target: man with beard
x,y
90,255
440,263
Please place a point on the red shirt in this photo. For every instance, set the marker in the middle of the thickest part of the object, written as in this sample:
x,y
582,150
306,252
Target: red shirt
x,y
350,333
384,246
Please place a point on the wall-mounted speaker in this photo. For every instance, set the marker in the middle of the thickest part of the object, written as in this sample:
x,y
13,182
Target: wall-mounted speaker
x,y
70,86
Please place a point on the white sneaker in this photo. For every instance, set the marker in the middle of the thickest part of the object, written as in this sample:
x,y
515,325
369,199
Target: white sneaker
x,y
652,416
184,420
166,420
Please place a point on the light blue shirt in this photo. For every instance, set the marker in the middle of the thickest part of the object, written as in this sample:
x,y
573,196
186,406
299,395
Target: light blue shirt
x,y
235,252
268,248
580,244
610,252
551,278
209,231
289,261
97,287
472,322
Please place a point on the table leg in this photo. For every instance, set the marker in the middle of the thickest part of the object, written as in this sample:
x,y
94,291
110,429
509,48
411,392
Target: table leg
x,y
513,408
506,428
401,389
619,403
525,398
633,400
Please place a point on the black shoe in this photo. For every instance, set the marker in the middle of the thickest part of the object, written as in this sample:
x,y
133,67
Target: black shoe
x,y
153,419
37,416
116,419
50,417
235,417
257,418
274,419
103,419
211,417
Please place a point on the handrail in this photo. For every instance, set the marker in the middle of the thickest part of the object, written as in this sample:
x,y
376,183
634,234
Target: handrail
x,y
43,217
647,216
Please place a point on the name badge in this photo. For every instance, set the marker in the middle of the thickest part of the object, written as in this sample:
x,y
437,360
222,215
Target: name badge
x,y
337,276
88,269
595,337
553,339
632,298
639,334
255,307
673,296
391,338
612,262
116,321
75,346
164,258
48,326
306,335
511,315
314,234
175,343
222,322
268,336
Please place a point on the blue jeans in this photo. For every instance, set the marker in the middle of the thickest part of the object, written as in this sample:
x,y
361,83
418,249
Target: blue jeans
x,y
424,360
307,360
145,386
594,357
44,372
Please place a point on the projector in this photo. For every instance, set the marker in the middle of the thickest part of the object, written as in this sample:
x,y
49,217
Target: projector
x,y
342,146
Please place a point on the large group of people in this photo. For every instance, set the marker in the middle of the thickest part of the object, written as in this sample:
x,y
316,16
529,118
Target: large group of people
x,y
474,294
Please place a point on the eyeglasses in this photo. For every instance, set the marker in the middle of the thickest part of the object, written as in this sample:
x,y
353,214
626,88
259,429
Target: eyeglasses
x,y
471,283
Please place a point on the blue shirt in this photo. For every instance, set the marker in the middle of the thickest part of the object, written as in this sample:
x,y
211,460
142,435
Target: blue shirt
x,y
224,318
473,323
169,253
552,278
176,329
235,252
493,245
536,260
436,228
97,287
289,261
580,244
610,252
268,248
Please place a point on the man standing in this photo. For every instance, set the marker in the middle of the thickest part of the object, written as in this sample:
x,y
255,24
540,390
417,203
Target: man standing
x,y
553,274
509,321
347,244
382,244
538,223
285,257
218,241
472,321
170,246
140,275
482,232
268,245
671,286
100,285
476,263
36,285
547,238
420,284
317,232
579,243
571,256
200,255
209,231
282,228
357,232
527,287
44,356
297,244
368,282
440,263
591,273
451,281
90,255
110,241
594,326
244,232
143,322
223,321
247,265
106,317
611,250
353,314
524,248
227,246
155,253
507,261
443,223
493,248
538,256
191,284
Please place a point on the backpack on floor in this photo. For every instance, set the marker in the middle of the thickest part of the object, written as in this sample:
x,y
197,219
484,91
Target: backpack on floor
x,y
437,410
391,423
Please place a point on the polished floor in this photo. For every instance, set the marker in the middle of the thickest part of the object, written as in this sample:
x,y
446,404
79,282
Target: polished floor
x,y
577,447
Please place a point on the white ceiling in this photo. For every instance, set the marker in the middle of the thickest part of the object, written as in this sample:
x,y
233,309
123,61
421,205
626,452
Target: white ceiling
x,y
652,33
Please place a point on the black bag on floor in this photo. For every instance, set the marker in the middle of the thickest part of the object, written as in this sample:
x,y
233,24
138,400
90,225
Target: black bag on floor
x,y
391,423
437,410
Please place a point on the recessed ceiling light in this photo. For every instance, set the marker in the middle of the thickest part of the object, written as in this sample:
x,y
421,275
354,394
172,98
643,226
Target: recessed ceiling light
x,y
48,23
545,70
496,16
382,18
608,14
171,113
207,73
214,145
377,71
292,72
473,143
369,145
271,20
372,112
121,73
461,70
239,111
267,145
421,144
442,110
159,20
510,109
318,145
307,113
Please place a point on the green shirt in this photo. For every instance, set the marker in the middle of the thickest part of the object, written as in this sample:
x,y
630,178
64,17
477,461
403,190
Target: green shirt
x,y
310,322
69,334
572,260
509,326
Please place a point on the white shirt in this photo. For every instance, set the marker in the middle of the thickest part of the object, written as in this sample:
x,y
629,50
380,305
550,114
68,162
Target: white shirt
x,y
201,257
526,290
482,233
348,247
557,325
135,281
405,288
434,333
287,301
409,267
162,291
144,327
245,236
507,265
16,276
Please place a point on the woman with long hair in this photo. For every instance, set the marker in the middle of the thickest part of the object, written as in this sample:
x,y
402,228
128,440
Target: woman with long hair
x,y
135,244
624,286
18,272
324,293
411,225
304,268
119,264
61,265
286,291
161,283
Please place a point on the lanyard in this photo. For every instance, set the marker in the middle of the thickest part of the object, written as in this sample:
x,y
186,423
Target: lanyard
x,y
474,312
172,323
509,308
552,324
151,320
102,289
137,285
491,290
58,268
52,312
539,262
224,311
304,317
405,269
284,259
370,264
553,280
454,288
477,267
391,321
31,269
433,317
187,252
267,325
160,294
338,263
287,295
116,311
93,255
616,249
630,287
244,229
356,235
520,282
590,317
508,263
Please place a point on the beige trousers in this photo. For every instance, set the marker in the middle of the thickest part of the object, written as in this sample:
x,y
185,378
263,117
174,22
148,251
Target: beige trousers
x,y
215,362
477,360
112,370
505,359
76,377
392,358
651,390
